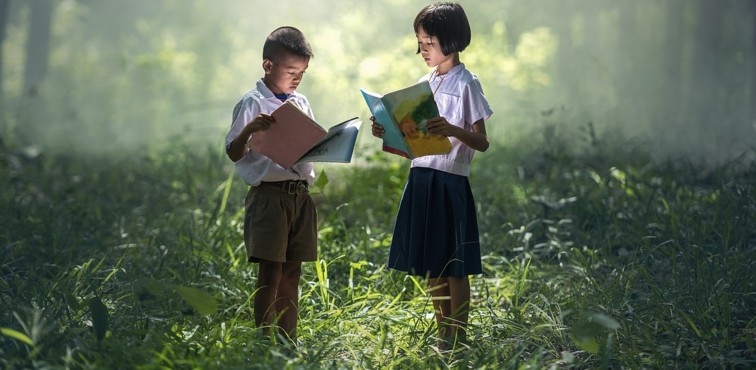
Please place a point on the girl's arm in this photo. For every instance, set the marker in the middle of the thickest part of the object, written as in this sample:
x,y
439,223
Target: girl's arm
x,y
476,139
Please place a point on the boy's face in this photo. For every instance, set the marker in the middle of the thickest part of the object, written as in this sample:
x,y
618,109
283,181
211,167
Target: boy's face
x,y
283,75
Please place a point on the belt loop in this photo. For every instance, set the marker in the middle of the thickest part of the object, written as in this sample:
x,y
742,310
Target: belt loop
x,y
301,186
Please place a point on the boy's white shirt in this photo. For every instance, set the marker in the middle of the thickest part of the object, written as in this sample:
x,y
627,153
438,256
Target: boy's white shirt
x,y
254,167
461,101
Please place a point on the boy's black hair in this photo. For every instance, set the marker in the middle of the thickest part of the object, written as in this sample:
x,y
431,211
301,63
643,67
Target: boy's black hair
x,y
286,39
448,22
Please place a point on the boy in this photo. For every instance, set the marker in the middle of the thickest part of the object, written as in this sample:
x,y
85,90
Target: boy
x,y
280,221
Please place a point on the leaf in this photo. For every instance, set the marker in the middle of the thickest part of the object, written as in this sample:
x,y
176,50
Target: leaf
x,y
584,336
322,180
585,333
199,300
589,345
99,318
71,301
692,325
586,330
605,321
17,335
148,288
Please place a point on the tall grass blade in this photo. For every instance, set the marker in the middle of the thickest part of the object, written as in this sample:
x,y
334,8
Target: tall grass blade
x,y
17,335
100,318
227,191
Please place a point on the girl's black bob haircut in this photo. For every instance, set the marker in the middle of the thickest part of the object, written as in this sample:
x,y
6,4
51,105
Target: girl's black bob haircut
x,y
448,22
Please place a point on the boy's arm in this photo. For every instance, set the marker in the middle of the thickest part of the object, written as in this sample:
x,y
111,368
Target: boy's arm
x,y
236,149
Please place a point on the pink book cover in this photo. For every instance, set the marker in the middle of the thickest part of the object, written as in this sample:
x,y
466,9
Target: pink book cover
x,y
292,135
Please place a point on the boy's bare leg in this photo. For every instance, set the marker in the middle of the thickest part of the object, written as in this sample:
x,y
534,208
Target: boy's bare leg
x,y
439,290
288,298
268,282
460,306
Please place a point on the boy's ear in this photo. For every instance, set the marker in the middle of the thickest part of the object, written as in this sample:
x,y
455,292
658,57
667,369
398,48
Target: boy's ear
x,y
267,65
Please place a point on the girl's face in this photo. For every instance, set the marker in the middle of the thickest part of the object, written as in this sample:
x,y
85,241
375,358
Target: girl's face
x,y
284,75
430,49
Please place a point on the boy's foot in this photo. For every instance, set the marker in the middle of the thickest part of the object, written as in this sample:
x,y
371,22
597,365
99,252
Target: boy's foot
x,y
448,344
445,345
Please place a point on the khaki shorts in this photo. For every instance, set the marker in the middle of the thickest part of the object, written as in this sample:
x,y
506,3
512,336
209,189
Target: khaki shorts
x,y
280,225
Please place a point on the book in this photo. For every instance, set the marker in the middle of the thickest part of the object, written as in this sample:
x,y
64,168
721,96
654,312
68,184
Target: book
x,y
403,115
296,138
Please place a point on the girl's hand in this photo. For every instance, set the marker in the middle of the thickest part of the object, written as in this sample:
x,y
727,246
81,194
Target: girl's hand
x,y
440,126
376,128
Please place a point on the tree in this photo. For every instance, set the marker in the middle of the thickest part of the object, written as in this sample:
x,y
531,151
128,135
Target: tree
x,y
708,53
752,84
669,107
627,61
4,6
37,46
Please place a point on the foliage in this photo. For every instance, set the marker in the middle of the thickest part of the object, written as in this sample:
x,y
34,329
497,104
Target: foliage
x,y
597,260
120,244
164,72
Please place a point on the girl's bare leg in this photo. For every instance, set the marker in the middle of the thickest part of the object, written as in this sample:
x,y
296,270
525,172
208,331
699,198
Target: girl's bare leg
x,y
459,289
442,304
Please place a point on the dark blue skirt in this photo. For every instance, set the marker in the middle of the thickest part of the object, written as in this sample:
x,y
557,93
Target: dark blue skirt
x,y
436,230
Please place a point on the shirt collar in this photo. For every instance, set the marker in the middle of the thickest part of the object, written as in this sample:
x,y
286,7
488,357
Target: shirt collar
x,y
267,94
454,70
264,90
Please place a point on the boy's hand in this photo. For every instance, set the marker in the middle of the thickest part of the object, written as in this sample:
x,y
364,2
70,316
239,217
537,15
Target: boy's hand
x,y
236,149
377,129
262,122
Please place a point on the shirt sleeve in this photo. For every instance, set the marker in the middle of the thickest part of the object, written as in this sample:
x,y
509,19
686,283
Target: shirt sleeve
x,y
244,112
476,105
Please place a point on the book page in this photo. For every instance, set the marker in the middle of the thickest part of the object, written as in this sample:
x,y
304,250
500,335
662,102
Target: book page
x,y
337,146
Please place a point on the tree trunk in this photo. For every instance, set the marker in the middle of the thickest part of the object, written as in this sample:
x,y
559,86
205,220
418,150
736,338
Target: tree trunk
x,y
627,66
708,84
673,65
565,45
592,38
752,98
37,46
4,6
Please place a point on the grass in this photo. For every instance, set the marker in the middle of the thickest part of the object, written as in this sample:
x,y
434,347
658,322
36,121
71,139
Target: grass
x,y
597,260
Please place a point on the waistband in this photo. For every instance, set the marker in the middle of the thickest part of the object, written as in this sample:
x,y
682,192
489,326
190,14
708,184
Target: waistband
x,y
289,186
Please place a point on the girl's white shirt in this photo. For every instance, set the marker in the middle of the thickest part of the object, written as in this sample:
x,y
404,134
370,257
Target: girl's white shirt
x,y
461,101
254,167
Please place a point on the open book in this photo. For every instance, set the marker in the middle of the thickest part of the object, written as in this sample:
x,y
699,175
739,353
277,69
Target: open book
x,y
297,138
403,114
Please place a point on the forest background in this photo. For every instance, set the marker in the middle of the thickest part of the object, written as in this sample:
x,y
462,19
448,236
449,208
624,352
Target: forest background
x,y
615,202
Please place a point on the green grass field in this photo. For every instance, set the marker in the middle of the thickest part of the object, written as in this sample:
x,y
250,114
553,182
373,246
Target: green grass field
x,y
602,260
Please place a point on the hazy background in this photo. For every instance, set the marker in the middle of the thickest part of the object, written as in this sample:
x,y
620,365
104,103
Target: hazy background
x,y
97,76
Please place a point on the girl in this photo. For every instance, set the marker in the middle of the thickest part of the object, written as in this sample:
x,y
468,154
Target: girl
x,y
436,229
